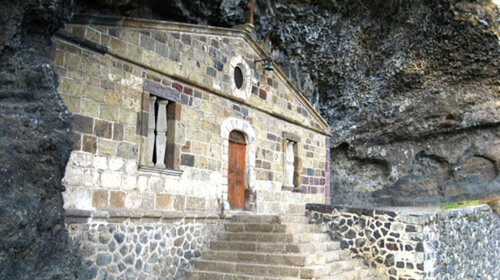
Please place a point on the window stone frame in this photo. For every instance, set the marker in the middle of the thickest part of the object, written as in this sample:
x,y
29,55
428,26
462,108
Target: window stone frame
x,y
245,90
175,130
297,172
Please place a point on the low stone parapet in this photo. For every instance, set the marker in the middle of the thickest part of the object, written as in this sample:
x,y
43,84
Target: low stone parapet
x,y
414,244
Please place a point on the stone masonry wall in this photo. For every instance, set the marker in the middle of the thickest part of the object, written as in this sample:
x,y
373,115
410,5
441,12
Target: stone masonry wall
x,y
463,244
150,247
457,244
107,73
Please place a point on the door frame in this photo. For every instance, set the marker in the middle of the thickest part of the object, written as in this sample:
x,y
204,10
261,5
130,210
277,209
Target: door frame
x,y
243,126
236,190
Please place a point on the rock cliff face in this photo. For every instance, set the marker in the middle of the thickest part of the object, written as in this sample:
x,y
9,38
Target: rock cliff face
x,y
34,145
410,88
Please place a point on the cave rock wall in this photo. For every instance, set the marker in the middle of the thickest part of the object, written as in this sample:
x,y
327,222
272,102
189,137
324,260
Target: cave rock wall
x,y
34,144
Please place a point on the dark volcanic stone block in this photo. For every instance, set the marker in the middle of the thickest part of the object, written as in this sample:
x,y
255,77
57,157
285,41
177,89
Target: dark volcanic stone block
x,y
389,261
83,124
410,228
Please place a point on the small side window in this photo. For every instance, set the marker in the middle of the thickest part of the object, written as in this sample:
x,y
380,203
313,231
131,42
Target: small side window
x,y
291,148
157,132
292,162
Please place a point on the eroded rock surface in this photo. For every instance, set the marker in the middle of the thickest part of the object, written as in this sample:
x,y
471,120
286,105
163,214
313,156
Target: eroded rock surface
x,y
34,144
429,170
410,90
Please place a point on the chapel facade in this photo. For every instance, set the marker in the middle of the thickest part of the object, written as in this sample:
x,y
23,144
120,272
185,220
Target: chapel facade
x,y
174,124
172,116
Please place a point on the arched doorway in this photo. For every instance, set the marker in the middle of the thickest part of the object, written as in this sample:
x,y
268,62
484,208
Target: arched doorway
x,y
236,170
244,128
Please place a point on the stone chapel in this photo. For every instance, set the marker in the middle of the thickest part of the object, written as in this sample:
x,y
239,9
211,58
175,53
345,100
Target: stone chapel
x,y
177,126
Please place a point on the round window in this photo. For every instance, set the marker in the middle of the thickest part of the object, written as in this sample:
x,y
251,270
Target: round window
x,y
242,81
238,77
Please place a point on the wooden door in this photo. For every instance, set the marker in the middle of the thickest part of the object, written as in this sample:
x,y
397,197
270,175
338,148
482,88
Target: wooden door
x,y
236,170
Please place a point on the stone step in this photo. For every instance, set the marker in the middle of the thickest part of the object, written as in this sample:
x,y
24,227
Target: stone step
x,y
347,264
360,273
288,228
193,274
269,247
308,272
278,259
272,247
270,219
273,237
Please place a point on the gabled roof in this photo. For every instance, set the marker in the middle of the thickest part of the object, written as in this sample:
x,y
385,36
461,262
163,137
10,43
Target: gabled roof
x,y
244,33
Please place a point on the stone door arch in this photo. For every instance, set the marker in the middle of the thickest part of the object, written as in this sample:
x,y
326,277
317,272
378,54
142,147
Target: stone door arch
x,y
229,125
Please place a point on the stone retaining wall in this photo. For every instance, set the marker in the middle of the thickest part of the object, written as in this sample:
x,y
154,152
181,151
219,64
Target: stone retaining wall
x,y
117,245
457,244
463,244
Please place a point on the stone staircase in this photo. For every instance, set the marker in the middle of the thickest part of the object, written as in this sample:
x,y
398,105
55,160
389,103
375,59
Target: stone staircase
x,y
265,247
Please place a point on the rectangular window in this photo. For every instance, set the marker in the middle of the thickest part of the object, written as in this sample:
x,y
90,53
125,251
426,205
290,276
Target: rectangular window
x,y
292,162
291,147
161,151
